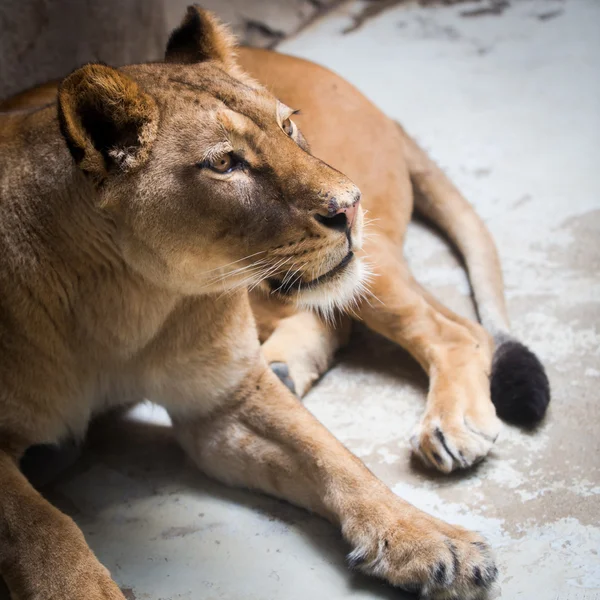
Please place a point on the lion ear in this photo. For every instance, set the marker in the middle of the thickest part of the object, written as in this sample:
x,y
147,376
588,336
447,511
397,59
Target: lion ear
x,y
201,36
108,122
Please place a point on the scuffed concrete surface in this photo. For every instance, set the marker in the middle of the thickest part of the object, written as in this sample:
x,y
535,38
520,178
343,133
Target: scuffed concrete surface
x,y
509,105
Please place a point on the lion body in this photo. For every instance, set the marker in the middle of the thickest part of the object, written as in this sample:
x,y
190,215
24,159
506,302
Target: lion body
x,y
114,344
61,356
139,249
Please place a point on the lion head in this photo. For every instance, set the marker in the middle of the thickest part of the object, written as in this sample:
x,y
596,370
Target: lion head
x,y
208,180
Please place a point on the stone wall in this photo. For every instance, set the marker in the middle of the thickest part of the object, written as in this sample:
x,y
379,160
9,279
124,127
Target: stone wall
x,y
45,39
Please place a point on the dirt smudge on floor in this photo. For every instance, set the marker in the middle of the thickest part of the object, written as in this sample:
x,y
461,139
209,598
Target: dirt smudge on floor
x,y
495,7
376,7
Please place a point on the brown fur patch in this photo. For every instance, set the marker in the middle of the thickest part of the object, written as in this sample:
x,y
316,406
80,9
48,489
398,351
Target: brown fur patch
x,y
106,119
200,37
109,306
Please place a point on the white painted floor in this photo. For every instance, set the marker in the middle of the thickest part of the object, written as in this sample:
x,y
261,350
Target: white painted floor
x,y
510,106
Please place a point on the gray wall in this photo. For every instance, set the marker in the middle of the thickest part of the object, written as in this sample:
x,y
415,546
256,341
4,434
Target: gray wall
x,y
46,39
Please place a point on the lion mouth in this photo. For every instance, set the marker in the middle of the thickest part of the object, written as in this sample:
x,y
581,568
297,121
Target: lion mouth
x,y
287,288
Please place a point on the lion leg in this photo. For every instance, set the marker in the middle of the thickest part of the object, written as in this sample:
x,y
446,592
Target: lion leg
x,y
266,440
302,348
43,554
459,426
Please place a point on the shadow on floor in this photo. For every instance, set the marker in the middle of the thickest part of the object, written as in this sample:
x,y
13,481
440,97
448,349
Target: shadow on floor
x,y
147,454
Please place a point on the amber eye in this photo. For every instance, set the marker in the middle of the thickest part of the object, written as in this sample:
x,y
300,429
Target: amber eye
x,y
223,164
288,127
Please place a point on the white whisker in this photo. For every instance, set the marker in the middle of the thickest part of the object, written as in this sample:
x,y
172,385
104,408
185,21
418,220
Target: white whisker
x,y
220,278
233,263
271,271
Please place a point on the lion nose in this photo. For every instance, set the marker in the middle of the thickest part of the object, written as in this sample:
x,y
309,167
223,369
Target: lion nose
x,y
342,218
350,212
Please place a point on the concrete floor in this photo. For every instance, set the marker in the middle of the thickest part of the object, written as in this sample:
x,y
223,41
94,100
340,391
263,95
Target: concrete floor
x,y
509,105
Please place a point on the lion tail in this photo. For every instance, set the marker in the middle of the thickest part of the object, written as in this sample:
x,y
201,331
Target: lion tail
x,y
519,385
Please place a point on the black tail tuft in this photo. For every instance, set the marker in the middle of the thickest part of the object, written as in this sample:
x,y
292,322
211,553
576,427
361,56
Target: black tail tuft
x,y
520,387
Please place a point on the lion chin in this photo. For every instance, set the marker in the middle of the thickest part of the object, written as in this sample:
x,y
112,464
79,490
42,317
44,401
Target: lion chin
x,y
339,290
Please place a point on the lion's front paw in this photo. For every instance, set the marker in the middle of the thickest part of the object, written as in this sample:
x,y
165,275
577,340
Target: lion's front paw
x,y
452,439
432,559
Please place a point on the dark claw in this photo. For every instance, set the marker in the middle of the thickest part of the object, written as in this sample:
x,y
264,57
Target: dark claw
x,y
356,560
411,588
455,562
439,575
281,370
489,438
486,578
440,436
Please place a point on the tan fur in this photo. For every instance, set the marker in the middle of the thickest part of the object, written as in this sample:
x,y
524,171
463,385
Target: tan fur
x,y
125,105
124,274
455,352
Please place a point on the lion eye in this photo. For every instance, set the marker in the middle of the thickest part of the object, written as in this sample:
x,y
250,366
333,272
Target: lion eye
x,y
288,127
223,164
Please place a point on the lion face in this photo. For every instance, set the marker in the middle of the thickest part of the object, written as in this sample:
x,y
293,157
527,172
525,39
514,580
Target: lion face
x,y
208,178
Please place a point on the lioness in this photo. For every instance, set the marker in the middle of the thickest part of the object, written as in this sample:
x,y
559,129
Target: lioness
x,y
135,215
